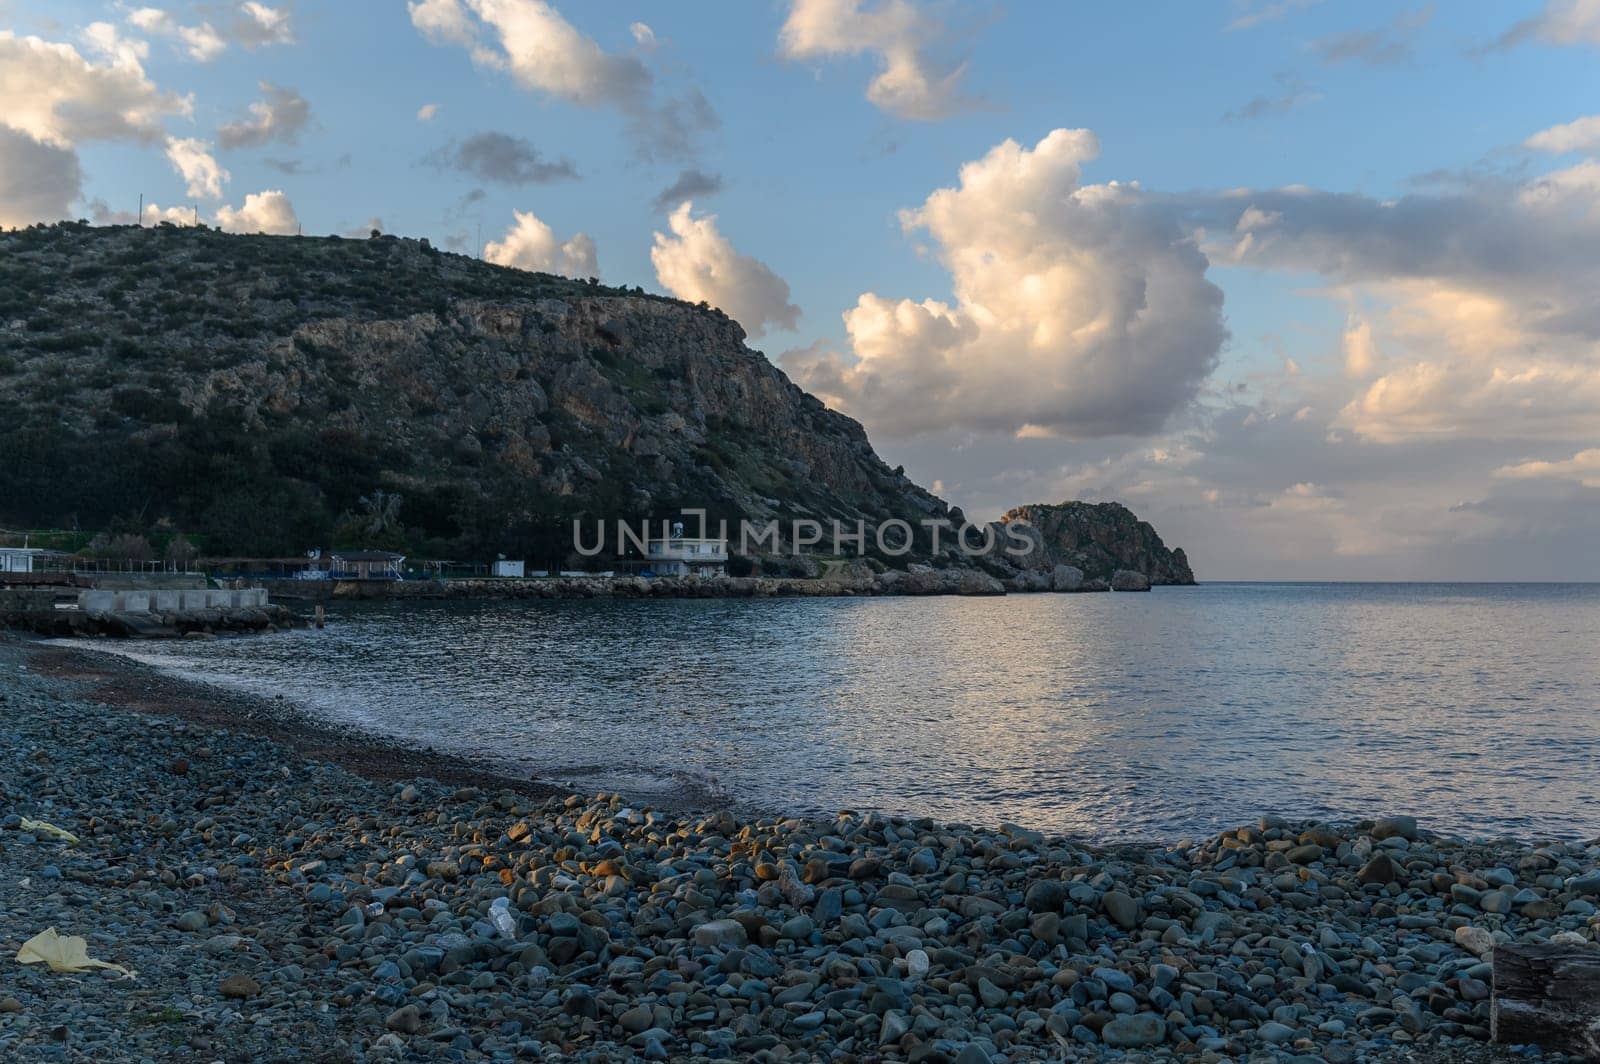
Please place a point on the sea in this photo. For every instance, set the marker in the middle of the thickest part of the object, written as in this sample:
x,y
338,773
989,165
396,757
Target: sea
x,y
1160,716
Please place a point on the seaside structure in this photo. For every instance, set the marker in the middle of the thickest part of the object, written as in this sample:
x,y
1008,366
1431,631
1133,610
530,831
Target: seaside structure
x,y
24,559
680,555
515,570
364,565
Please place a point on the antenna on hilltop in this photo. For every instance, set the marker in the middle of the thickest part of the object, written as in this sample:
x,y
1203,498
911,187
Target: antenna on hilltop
x,y
480,238
138,219
196,214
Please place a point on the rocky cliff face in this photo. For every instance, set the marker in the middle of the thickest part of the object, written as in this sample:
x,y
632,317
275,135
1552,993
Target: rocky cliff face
x,y
258,390
1100,539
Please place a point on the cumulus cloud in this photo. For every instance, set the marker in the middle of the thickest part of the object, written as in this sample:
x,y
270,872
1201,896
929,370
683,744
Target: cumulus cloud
x,y
262,212
1579,135
251,25
427,111
56,96
55,99
193,160
643,35
501,158
200,41
530,244
543,52
1484,296
690,185
38,181
1361,356
697,263
258,25
279,117
1080,310
912,81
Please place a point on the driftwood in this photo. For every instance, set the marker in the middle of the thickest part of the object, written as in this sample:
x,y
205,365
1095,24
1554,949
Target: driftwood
x,y
1548,995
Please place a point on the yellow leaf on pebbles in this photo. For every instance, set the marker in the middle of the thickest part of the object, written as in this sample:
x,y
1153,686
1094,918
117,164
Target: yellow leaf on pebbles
x,y
63,953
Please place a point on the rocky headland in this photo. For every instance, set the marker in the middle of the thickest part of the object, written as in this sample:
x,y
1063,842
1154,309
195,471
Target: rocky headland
x,y
1099,540
276,907
267,395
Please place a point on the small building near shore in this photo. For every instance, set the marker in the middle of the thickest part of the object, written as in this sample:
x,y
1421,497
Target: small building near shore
x,y
364,565
680,555
514,570
25,559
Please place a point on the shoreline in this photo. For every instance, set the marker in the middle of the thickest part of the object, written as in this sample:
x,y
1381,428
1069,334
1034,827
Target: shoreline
x,y
127,684
229,862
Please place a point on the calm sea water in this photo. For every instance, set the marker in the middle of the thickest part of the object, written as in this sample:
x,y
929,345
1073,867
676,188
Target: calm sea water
x,y
1475,707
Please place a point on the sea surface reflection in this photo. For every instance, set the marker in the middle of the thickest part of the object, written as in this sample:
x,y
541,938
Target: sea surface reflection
x,y
1475,707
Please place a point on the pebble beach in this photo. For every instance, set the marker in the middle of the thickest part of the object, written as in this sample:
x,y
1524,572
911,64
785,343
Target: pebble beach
x,y
276,904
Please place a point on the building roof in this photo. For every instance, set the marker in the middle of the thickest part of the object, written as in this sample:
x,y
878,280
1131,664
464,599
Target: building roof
x,y
366,556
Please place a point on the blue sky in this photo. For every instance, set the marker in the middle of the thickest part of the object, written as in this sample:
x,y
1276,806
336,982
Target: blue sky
x,y
1400,131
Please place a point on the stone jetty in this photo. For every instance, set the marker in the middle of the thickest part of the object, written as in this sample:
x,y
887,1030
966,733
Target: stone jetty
x,y
158,614
276,908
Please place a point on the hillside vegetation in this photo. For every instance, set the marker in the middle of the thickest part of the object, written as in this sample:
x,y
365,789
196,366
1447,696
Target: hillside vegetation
x,y
268,394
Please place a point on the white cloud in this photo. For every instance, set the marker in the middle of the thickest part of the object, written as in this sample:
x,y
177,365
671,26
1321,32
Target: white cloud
x,y
1361,356
252,25
56,96
200,42
911,82
155,215
543,52
192,158
427,112
1080,310
1583,467
530,244
1482,298
262,212
104,38
279,117
262,25
1580,135
696,262
643,35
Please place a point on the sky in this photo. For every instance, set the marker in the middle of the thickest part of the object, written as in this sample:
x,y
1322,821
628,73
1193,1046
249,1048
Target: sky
x,y
1308,284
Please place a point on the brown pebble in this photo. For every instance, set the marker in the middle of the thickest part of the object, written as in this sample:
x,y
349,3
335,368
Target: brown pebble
x,y
239,985
178,766
1380,869
10,1004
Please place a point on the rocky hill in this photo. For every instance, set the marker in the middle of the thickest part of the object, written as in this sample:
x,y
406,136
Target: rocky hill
x,y
271,393
1099,538
268,394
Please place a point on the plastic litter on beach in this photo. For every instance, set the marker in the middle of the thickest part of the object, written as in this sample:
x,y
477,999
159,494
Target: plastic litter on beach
x,y
63,953
39,827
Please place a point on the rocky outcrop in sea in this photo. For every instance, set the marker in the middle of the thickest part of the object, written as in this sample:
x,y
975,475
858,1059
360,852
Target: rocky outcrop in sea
x,y
1098,539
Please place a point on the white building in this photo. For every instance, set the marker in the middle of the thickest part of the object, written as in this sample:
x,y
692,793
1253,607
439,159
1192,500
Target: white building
x,y
680,555
515,570
22,559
